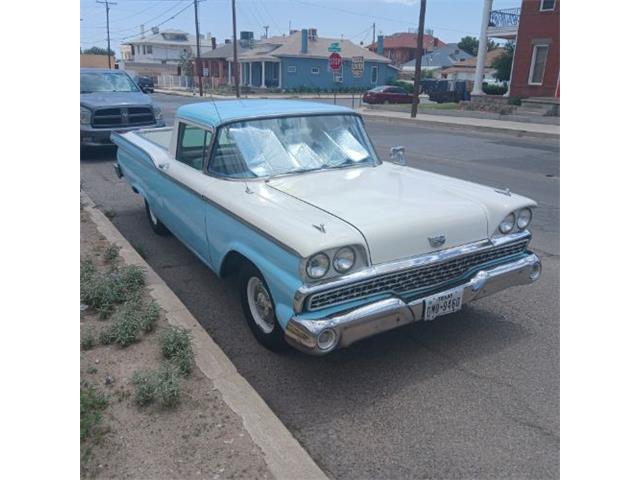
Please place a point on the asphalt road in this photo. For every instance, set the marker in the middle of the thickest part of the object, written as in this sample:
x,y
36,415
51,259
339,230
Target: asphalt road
x,y
470,395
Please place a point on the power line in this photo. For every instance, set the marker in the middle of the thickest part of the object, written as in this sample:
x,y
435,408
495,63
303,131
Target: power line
x,y
161,23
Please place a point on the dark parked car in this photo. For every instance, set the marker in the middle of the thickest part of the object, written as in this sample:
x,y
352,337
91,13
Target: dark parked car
x,y
110,101
145,83
387,94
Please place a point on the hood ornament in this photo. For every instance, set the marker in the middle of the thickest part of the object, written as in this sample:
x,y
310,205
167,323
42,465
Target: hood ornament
x,y
437,240
320,227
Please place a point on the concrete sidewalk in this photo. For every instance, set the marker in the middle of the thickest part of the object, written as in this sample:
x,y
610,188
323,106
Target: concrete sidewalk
x,y
479,124
305,96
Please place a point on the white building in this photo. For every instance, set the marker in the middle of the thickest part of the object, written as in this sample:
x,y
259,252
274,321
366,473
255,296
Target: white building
x,y
161,52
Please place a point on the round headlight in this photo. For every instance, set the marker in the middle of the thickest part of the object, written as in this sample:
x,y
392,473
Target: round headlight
x,y
318,265
507,224
344,259
524,218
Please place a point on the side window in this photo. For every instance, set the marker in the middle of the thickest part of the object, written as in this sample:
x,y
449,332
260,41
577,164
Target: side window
x,y
374,74
193,145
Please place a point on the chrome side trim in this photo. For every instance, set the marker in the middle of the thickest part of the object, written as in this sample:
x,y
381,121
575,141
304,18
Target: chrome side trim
x,y
413,262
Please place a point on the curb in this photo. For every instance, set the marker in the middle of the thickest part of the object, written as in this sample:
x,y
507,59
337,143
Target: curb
x,y
283,454
277,96
455,125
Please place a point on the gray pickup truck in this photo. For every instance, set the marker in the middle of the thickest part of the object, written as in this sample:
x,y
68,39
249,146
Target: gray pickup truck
x,y
110,101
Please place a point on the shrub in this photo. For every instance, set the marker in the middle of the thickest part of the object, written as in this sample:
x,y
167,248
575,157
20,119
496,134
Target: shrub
x,y
168,386
111,253
175,344
125,328
494,89
87,341
162,385
92,403
102,291
149,314
145,387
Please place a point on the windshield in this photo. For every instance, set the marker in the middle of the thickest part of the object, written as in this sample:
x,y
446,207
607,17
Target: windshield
x,y
106,82
277,146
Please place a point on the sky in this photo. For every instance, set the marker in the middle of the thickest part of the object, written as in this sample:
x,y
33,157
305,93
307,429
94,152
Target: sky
x,y
349,19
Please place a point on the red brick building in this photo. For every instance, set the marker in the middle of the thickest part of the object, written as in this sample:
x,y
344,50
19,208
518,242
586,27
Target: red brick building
x,y
536,63
401,47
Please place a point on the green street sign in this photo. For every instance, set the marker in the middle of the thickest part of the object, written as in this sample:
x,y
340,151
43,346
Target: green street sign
x,y
334,47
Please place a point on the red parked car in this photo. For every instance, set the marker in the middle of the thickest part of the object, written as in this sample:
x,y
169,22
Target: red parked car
x,y
387,94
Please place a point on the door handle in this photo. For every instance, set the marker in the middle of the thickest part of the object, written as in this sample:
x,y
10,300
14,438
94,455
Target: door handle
x,y
163,166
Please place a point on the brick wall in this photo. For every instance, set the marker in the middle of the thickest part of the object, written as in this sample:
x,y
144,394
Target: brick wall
x,y
536,27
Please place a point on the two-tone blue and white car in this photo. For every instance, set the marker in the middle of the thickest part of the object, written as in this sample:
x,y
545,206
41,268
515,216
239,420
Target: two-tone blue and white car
x,y
331,244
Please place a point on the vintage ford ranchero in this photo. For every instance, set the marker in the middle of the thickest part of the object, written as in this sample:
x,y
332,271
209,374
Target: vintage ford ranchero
x,y
330,244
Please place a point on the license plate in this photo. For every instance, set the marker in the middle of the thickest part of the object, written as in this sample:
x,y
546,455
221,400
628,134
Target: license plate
x,y
443,303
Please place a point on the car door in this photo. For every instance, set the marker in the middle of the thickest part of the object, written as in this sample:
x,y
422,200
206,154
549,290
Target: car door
x,y
184,205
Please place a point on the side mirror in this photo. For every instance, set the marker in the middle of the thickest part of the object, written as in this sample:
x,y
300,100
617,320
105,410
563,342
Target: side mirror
x,y
396,155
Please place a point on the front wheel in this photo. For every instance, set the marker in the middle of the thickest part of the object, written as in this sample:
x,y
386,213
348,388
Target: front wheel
x,y
156,225
259,309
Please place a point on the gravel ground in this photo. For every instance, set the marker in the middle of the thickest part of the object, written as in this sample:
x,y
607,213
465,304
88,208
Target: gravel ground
x,y
200,438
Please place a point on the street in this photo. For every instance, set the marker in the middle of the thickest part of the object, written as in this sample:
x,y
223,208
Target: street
x,y
470,395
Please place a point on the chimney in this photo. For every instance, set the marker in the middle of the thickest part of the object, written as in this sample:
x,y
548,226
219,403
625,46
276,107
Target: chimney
x,y
304,44
213,43
141,31
380,46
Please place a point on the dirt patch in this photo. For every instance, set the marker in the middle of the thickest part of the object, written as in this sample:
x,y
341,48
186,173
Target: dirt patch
x,y
200,438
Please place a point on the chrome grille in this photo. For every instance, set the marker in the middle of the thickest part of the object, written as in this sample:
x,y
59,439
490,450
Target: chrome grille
x,y
123,117
411,279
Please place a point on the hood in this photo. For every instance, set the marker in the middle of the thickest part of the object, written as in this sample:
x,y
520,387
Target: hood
x,y
397,209
114,99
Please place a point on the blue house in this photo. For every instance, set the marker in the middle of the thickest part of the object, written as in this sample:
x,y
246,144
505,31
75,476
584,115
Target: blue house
x,y
301,60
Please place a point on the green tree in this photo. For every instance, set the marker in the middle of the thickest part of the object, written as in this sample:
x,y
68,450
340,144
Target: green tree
x,y
502,63
97,51
470,45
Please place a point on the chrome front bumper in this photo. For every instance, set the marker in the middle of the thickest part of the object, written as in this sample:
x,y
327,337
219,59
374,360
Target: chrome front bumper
x,y
380,316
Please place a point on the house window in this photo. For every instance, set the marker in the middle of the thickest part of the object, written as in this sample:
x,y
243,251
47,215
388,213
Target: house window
x,y
315,70
538,62
291,69
547,5
149,49
374,75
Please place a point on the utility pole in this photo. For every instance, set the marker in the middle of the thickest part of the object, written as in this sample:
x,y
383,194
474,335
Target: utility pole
x,y
266,31
236,80
106,6
198,65
419,49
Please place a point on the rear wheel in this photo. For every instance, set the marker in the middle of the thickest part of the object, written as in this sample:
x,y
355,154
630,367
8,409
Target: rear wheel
x,y
259,309
156,225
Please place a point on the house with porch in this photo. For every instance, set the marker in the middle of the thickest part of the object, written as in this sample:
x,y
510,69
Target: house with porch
x,y
301,60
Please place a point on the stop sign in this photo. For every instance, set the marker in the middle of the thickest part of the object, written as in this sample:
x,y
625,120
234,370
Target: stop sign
x,y
335,62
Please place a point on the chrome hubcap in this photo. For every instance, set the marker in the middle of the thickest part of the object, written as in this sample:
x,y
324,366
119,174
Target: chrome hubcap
x,y
260,305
